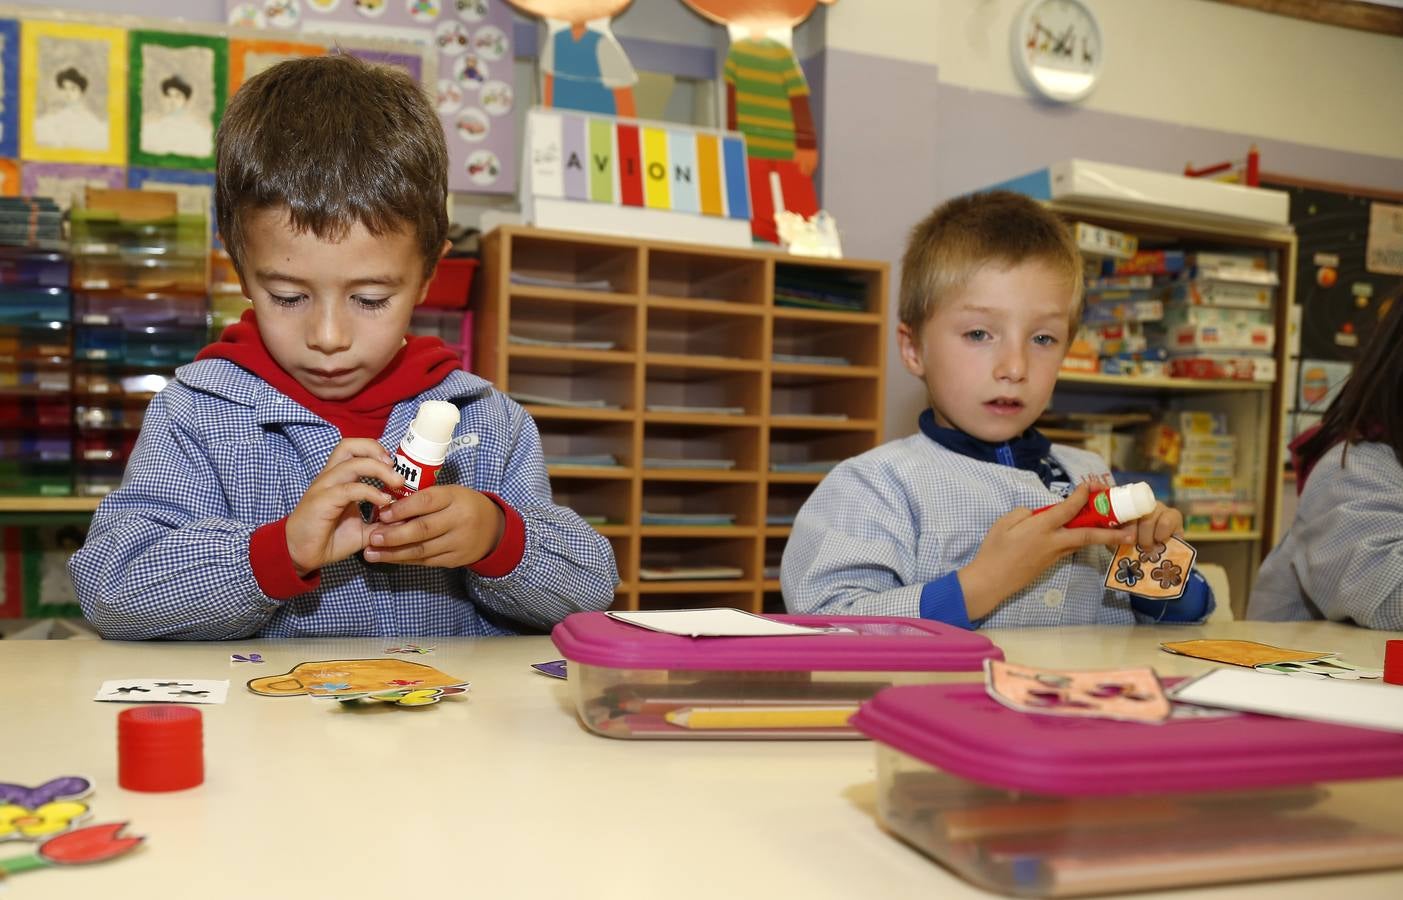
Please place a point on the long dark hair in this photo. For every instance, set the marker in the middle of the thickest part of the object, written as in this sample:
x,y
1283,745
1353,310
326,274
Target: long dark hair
x,y
1370,407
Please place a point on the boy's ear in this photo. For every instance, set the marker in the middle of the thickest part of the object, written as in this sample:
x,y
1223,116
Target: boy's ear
x,y
909,345
424,288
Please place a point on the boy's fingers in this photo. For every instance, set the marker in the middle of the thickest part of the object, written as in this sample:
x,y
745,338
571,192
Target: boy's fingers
x,y
412,552
1087,537
358,447
343,495
356,468
1065,511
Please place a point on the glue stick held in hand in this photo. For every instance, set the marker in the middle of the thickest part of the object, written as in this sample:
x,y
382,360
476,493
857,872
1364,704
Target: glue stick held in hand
x,y
425,445
1113,507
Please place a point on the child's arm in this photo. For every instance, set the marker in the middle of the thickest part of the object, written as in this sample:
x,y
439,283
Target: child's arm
x,y
163,557
556,563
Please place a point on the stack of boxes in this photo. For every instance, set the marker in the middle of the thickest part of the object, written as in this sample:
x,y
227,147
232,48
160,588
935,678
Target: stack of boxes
x,y
140,308
1200,455
36,404
1159,313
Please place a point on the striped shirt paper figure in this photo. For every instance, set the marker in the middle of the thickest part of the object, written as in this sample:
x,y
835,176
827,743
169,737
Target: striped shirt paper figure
x,y
653,165
766,77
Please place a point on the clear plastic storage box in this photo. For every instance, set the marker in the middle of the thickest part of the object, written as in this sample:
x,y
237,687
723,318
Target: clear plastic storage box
x,y
630,682
1052,806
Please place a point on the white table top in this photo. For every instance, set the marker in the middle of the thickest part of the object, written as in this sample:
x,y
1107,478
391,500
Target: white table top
x,y
501,793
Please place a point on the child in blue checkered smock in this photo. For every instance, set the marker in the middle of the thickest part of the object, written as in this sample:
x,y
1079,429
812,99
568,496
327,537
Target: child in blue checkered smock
x,y
1343,557
938,524
246,505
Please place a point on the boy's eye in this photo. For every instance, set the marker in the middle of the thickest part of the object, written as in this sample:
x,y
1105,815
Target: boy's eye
x,y
1045,340
976,334
286,299
371,302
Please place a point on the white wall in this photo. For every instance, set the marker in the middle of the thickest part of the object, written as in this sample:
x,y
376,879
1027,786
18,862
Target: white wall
x,y
1192,62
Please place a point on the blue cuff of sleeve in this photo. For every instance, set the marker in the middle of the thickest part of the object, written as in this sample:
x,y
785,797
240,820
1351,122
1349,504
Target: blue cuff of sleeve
x,y
1194,606
943,600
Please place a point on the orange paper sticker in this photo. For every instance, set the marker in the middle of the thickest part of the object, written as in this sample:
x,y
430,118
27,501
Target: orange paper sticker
x,y
1159,573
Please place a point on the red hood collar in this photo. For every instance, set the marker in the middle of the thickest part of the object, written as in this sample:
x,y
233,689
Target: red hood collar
x,y
422,363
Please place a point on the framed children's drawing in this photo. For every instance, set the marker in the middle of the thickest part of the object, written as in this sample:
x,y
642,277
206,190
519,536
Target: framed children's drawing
x,y
249,57
179,83
73,93
9,82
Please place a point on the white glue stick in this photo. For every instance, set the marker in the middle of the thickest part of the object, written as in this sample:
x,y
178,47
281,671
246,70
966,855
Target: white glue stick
x,y
425,445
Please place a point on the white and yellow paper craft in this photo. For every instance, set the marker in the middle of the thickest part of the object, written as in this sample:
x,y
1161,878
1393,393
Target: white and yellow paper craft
x,y
396,681
48,816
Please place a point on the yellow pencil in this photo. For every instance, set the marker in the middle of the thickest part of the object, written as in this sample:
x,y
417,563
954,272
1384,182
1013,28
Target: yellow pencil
x,y
723,717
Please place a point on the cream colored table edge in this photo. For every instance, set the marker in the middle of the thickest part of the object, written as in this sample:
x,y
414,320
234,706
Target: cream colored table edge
x,y
503,794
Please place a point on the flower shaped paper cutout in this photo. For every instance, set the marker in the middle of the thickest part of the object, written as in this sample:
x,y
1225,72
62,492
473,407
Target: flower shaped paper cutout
x,y
1168,574
20,823
1128,572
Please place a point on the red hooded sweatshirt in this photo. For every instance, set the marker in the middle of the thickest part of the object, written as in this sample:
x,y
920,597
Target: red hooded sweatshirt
x,y
422,363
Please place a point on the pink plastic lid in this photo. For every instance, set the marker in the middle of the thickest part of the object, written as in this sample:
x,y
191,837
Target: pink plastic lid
x,y
878,644
959,729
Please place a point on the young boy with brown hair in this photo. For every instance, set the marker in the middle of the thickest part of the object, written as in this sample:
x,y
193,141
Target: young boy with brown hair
x,y
939,524
240,511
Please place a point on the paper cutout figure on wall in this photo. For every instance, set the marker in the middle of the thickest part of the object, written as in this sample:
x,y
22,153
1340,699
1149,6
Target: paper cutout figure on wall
x,y
767,100
582,64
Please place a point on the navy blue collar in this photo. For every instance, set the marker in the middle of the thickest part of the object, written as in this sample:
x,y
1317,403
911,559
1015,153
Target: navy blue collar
x,y
1030,451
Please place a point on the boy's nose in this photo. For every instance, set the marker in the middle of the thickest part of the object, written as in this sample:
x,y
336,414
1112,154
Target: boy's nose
x,y
1012,365
329,332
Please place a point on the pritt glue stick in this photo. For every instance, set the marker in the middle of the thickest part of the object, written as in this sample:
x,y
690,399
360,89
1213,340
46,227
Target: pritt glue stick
x,y
425,445
1113,507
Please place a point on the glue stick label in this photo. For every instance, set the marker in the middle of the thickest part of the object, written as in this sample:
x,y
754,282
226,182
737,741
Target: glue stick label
x,y
416,475
1102,502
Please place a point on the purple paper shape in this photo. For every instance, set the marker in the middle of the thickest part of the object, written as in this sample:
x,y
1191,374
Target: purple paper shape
x,y
32,798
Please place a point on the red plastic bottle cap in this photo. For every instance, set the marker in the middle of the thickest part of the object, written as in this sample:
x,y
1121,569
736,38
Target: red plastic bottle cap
x,y
160,748
1393,662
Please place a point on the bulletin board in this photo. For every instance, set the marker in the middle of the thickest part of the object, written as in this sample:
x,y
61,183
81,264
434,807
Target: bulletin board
x,y
1340,283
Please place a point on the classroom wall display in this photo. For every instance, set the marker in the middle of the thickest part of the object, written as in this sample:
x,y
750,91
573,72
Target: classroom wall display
x,y
249,57
9,82
634,177
34,580
193,189
473,84
767,100
582,64
178,87
67,183
413,65
73,92
9,178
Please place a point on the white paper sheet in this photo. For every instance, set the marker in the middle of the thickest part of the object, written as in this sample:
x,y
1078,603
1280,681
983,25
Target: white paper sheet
x,y
1357,703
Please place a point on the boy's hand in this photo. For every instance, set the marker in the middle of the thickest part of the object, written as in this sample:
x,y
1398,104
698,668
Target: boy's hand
x,y
326,525
1020,546
1157,527
447,526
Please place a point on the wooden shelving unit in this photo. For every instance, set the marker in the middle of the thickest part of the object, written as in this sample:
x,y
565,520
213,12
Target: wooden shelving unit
x,y
688,376
1255,409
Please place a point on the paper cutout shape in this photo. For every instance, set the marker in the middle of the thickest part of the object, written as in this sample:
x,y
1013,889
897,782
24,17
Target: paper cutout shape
x,y
555,668
39,813
363,678
1240,653
1322,668
1356,703
716,622
73,86
582,64
164,690
95,843
250,658
767,100
1131,695
1158,573
410,648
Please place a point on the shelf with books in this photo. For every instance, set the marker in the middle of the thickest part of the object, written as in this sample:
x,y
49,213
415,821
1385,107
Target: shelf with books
x,y
697,407
1094,380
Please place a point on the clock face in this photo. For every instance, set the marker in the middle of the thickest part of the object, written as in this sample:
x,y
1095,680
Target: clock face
x,y
1057,48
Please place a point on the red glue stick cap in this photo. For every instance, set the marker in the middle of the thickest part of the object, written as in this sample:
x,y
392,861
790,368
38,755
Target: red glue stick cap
x,y
1393,662
160,748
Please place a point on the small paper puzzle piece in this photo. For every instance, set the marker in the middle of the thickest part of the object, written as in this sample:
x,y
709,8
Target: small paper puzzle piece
x,y
555,668
39,813
352,679
1322,668
413,696
90,844
164,690
410,648
248,658
1160,572
1132,695
1240,653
